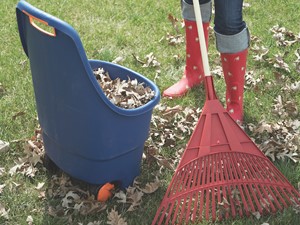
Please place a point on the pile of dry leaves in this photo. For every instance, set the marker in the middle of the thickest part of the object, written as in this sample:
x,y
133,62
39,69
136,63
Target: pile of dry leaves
x,y
127,94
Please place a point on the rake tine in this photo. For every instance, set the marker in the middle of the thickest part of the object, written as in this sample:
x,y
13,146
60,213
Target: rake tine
x,y
275,197
219,202
228,176
239,187
175,212
286,196
225,196
170,212
218,180
247,186
189,204
249,199
162,215
233,212
266,195
195,207
207,204
237,176
213,189
181,210
201,205
180,183
177,182
269,200
265,174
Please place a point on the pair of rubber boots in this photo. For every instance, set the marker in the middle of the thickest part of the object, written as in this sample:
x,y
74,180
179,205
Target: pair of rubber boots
x,y
234,68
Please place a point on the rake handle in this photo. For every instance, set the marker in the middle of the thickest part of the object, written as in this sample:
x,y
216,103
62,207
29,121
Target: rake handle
x,y
202,43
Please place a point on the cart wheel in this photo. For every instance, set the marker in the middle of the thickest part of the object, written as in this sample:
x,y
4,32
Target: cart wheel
x,y
49,164
105,192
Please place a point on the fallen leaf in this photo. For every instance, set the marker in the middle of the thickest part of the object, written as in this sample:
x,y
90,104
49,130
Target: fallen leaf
x,y
2,171
4,212
2,187
4,146
70,198
29,220
256,215
40,186
151,187
114,218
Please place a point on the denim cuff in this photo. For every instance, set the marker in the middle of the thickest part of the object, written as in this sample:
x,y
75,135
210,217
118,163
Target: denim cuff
x,y
188,12
233,43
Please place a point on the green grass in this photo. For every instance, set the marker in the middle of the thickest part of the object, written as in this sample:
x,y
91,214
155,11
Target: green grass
x,y
109,29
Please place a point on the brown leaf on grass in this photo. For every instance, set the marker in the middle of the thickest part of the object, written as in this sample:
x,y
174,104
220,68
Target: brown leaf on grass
x,y
4,146
2,89
169,126
252,80
166,163
174,21
40,185
118,60
4,212
151,187
2,186
283,36
70,198
285,108
13,170
34,150
282,139
57,211
246,5
217,71
114,218
174,39
134,198
18,114
257,215
279,63
151,60
137,58
297,61
29,220
2,171
260,53
263,126
121,196
294,87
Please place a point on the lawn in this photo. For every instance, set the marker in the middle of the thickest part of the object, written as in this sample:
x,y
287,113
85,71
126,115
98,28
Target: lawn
x,y
138,35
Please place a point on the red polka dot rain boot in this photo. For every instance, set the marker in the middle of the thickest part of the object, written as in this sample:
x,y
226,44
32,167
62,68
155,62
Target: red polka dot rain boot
x,y
193,73
234,68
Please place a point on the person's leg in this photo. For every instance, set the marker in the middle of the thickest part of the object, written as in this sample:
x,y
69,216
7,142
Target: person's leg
x,y
232,40
193,73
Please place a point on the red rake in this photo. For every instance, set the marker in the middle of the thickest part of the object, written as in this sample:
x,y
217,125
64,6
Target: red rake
x,y
222,172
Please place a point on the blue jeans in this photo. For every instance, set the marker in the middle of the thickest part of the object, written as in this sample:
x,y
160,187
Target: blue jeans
x,y
228,16
230,28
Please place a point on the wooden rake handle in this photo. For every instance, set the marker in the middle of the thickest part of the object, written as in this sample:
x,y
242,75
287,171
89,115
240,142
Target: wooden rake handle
x,y
202,42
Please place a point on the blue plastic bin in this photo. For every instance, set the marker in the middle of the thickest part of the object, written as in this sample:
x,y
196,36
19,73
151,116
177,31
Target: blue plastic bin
x,y
84,134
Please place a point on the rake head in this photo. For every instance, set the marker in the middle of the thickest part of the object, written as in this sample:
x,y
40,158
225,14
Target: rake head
x,y
224,185
223,174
